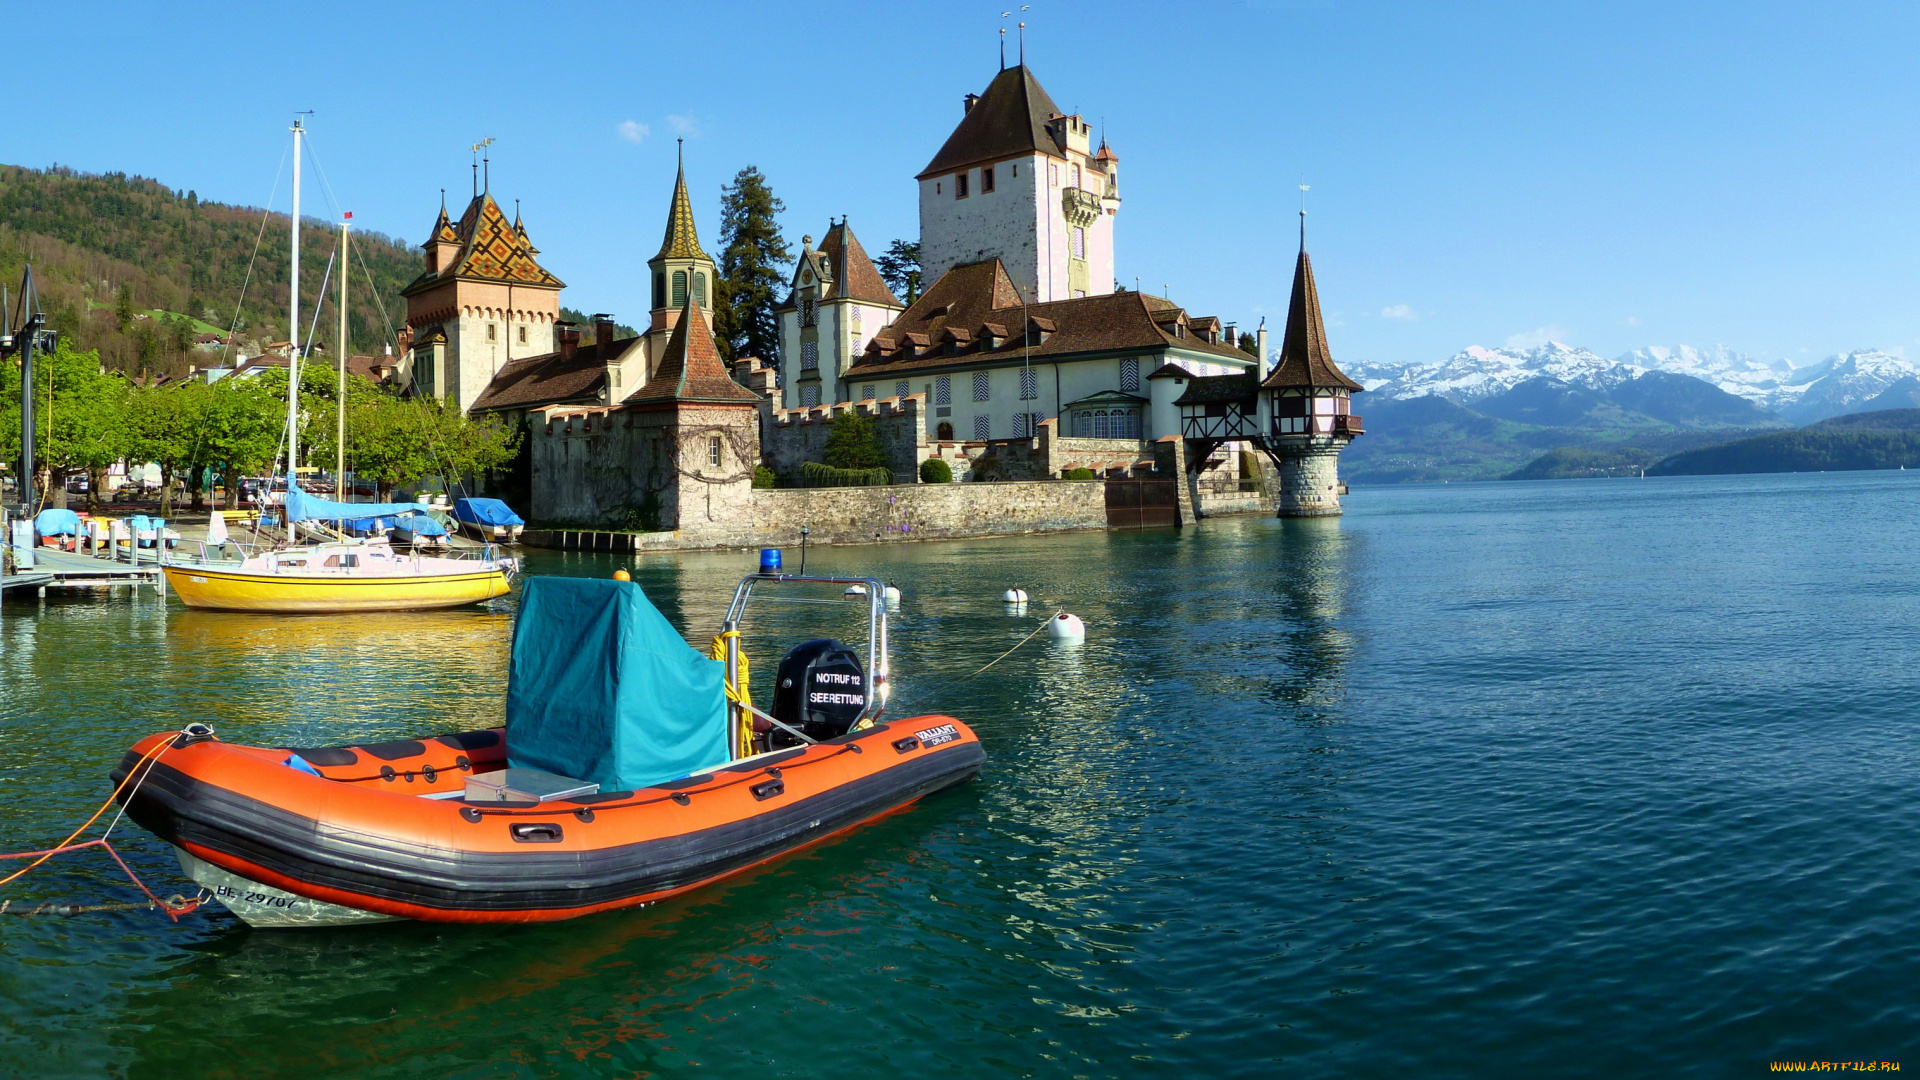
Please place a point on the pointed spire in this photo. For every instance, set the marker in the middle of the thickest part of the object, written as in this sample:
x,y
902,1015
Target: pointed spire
x,y
1305,359
690,367
682,242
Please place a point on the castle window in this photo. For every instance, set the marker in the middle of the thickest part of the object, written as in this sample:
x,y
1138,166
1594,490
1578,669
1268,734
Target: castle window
x,y
679,288
810,396
986,180
983,427
936,187
1016,170
1029,384
1079,248
1130,373
700,289
523,335
866,393
980,386
959,185
944,432
490,332
809,313
809,356
659,290
1053,175
713,450
901,389
1076,176
943,390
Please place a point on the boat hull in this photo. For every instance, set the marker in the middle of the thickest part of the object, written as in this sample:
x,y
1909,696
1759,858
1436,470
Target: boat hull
x,y
362,839
228,590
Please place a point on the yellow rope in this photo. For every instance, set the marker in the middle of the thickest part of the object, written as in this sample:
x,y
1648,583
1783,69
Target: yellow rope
x,y
741,694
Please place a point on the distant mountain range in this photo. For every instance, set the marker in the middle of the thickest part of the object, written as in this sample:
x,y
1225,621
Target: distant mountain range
x,y
1556,410
1854,382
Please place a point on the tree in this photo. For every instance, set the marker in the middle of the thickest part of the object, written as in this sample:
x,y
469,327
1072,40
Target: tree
x,y
79,418
853,442
1250,345
241,429
123,307
900,268
164,426
751,257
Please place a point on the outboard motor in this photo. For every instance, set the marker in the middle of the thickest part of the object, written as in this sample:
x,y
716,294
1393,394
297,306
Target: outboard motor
x,y
820,689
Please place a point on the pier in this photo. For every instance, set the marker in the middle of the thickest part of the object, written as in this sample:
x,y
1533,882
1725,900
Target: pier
x,y
56,569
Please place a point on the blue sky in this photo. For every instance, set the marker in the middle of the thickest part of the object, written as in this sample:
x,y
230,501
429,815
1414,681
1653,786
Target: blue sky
x,y
1610,175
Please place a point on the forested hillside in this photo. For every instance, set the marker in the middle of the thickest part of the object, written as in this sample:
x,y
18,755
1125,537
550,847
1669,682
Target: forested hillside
x,y
1885,439
110,248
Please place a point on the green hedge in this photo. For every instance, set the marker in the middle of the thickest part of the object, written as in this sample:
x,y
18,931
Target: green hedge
x,y
935,471
814,474
1078,474
763,477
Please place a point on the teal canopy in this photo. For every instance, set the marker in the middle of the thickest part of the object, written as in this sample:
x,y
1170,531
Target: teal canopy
x,y
601,687
304,507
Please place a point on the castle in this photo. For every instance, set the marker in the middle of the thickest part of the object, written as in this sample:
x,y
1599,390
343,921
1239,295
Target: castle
x,y
1022,359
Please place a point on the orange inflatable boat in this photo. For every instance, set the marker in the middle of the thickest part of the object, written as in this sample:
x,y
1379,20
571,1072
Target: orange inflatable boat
x,y
471,827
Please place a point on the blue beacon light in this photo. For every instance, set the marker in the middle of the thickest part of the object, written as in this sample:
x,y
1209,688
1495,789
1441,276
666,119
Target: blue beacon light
x,y
769,560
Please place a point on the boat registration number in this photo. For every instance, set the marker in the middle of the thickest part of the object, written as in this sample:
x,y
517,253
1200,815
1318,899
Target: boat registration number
x,y
934,736
196,580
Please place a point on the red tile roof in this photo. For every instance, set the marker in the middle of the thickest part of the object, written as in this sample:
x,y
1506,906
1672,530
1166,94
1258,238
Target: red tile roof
x,y
853,271
691,370
552,378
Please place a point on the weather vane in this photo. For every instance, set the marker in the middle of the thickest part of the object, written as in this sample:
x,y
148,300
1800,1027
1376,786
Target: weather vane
x,y
476,148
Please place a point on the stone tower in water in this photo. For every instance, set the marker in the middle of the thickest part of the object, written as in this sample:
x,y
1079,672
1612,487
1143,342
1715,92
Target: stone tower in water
x,y
1307,402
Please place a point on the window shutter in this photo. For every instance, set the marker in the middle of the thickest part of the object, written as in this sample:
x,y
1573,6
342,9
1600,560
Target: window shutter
x,y
980,386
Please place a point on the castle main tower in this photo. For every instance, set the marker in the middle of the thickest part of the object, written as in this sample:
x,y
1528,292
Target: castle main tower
x,y
1020,181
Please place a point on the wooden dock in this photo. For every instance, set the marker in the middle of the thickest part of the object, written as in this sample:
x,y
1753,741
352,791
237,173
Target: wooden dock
x,y
74,570
30,579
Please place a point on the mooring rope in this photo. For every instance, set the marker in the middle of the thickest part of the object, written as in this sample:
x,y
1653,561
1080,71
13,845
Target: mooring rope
x,y
176,907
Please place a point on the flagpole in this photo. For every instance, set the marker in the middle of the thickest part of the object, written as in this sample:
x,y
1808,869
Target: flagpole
x,y
340,388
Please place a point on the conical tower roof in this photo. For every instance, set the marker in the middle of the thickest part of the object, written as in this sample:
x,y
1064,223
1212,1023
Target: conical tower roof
x,y
854,274
1305,360
682,241
691,370
442,232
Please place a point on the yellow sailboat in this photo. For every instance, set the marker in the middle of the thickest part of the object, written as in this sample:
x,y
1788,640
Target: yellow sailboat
x,y
346,576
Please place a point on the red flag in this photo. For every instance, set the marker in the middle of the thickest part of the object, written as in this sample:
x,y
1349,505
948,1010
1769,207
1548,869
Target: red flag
x,y
349,215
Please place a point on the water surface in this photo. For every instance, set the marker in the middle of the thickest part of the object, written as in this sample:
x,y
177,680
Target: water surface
x,y
1480,780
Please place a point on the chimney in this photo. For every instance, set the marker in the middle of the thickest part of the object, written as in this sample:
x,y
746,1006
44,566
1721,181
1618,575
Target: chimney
x,y
602,330
568,335
968,103
1233,336
1260,342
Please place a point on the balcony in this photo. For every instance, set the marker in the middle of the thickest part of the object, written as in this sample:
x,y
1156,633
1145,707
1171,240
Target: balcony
x,y
1347,424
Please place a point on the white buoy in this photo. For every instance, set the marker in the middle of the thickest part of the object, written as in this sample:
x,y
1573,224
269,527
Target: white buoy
x,y
1065,627
855,590
893,595
1014,596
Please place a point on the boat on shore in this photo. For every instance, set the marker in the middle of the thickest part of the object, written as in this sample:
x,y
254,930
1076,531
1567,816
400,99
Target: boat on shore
x,y
628,771
488,520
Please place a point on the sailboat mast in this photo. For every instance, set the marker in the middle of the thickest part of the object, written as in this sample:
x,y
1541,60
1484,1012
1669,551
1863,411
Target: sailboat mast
x,y
293,323
340,388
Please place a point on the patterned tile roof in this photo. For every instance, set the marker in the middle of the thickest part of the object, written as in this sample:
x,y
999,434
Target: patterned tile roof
x,y
690,369
1305,359
682,241
491,249
1009,120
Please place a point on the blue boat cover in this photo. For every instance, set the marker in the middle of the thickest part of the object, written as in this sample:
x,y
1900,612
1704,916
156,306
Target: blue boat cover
x,y
57,523
420,525
304,507
485,512
601,687
369,525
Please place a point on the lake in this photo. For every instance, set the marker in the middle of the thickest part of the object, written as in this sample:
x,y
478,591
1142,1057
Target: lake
x,y
1501,779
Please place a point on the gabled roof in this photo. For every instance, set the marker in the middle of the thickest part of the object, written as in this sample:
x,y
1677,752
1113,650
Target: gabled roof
x,y
1305,360
682,240
1009,120
529,382
691,370
968,296
1210,389
491,249
853,272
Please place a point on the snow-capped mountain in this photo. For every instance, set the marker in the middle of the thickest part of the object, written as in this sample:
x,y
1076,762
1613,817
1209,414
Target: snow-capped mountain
x,y
1836,385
